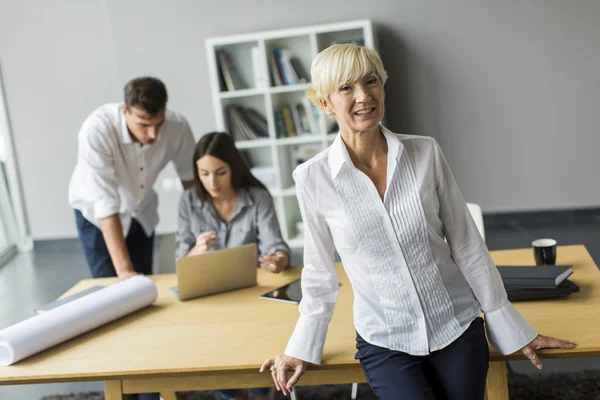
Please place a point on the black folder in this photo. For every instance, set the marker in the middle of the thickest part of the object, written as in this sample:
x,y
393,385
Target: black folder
x,y
540,276
521,294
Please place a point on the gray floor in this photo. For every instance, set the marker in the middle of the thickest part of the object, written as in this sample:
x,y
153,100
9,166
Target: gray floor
x,y
36,278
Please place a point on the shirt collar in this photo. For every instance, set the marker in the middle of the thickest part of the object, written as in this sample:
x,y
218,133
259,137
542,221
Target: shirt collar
x,y
243,200
125,136
338,154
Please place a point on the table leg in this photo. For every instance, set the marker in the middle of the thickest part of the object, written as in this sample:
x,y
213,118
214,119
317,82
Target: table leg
x,y
113,390
168,396
497,382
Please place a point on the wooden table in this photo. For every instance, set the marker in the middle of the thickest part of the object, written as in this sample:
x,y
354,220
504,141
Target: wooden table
x,y
220,341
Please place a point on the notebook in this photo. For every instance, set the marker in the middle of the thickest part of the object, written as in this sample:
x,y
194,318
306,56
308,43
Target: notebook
x,y
521,294
540,276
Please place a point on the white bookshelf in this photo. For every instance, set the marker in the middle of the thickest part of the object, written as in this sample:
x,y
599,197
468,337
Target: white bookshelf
x,y
260,93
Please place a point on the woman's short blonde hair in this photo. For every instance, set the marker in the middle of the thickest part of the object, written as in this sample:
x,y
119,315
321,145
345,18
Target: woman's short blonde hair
x,y
341,64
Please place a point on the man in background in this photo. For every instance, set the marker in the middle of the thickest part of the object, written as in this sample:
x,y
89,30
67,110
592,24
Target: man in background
x,y
122,149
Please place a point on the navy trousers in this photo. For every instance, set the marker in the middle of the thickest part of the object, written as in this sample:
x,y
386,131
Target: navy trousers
x,y
96,254
457,372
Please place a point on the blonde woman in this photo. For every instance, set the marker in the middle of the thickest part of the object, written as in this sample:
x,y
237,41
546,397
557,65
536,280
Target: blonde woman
x,y
420,271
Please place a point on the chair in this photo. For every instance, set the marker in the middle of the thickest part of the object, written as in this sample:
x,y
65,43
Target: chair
x,y
164,257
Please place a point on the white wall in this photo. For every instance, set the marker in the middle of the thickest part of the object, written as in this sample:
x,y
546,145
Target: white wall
x,y
509,88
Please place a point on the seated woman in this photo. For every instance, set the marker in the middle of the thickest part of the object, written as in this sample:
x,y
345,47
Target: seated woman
x,y
229,207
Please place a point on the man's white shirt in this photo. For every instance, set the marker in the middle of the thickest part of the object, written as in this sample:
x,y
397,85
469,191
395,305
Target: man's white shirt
x,y
114,174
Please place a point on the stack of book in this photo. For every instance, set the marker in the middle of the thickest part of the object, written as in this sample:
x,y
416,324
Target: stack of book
x,y
245,123
286,68
296,119
537,282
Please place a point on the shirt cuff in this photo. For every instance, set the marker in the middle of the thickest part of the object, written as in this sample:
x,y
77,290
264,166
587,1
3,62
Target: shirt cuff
x,y
308,339
507,330
103,209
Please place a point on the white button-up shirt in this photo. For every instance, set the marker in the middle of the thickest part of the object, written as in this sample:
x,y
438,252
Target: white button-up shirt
x,y
114,174
419,269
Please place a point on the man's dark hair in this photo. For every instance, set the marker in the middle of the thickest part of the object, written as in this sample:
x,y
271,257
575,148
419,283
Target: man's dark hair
x,y
147,93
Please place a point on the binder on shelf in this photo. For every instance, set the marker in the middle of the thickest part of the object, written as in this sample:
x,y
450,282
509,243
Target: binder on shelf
x,y
260,81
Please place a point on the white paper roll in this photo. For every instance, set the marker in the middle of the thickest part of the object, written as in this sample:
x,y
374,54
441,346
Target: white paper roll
x,y
74,318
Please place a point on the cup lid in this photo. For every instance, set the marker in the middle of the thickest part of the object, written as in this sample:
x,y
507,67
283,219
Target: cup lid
x,y
546,242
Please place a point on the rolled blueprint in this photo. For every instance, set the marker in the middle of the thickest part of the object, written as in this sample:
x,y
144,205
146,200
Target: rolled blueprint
x,y
69,320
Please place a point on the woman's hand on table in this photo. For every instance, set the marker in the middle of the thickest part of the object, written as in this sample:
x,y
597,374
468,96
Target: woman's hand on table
x,y
544,342
280,366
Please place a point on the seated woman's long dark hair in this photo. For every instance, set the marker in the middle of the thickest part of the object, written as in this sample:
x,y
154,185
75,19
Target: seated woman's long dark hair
x,y
221,146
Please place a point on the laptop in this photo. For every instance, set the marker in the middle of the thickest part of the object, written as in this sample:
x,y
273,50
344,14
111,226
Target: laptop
x,y
216,272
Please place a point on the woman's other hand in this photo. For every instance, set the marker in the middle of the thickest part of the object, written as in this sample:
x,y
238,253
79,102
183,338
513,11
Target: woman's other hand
x,y
279,367
544,342
274,262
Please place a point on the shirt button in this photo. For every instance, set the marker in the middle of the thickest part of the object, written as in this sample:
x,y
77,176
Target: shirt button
x,y
142,186
141,168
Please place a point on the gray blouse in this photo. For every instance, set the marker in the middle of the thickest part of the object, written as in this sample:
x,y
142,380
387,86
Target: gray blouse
x,y
254,221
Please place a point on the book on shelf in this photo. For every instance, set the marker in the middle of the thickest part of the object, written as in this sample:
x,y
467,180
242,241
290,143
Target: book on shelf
x,y
290,128
311,114
300,71
286,68
231,76
296,119
276,76
246,123
280,128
